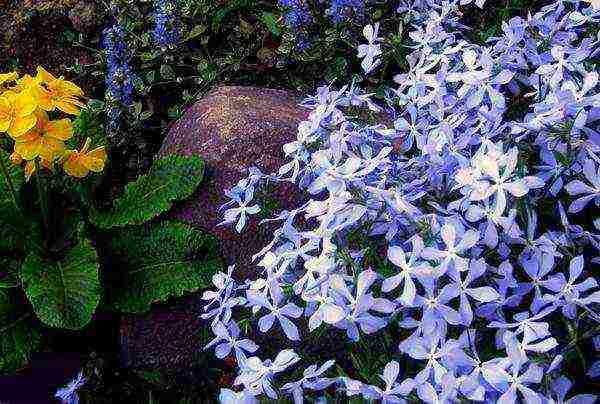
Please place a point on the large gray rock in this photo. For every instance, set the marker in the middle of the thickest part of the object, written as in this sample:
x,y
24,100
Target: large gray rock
x,y
234,128
231,128
166,338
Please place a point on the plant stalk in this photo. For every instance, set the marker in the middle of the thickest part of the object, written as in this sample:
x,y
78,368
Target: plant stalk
x,y
42,195
9,182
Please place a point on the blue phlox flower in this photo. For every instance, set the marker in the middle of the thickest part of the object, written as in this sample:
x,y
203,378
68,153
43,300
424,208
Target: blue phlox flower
x,y
587,192
311,379
281,314
227,339
257,376
369,52
393,390
68,394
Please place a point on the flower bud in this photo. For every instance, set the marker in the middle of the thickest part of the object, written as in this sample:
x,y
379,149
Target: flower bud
x,y
16,158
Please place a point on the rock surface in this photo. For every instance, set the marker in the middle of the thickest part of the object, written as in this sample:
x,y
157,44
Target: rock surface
x,y
234,128
166,338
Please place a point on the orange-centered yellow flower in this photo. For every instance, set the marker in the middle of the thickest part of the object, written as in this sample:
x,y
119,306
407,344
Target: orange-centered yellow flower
x,y
45,140
16,113
57,93
7,77
80,163
31,167
25,82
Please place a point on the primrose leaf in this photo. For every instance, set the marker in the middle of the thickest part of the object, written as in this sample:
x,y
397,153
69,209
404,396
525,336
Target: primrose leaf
x,y
158,262
17,178
170,179
19,336
65,293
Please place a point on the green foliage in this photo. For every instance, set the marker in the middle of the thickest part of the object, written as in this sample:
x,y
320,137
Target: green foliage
x,y
491,17
58,270
18,335
170,179
13,232
10,277
270,21
64,293
90,124
158,262
11,235
17,178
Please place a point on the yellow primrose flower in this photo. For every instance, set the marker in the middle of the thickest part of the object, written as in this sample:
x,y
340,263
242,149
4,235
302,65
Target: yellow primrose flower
x,y
29,170
79,163
16,113
30,167
16,158
7,77
43,76
26,83
57,93
45,140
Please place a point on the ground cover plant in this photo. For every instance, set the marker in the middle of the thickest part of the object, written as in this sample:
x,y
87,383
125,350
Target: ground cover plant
x,y
487,216
446,248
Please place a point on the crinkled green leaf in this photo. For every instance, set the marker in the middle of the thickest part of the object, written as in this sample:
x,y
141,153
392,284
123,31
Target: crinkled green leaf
x,y
153,263
17,232
89,123
17,178
270,21
19,336
9,274
170,179
65,293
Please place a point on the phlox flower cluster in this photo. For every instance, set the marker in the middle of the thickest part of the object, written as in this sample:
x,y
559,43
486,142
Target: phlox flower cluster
x,y
166,27
27,106
488,216
68,394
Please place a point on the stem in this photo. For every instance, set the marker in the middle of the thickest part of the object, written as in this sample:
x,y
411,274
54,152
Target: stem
x,y
7,327
42,195
9,182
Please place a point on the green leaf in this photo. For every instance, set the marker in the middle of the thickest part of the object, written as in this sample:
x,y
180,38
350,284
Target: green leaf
x,y
167,72
10,278
155,263
137,108
89,123
65,293
18,335
151,77
170,179
270,21
147,56
17,178
11,235
196,31
17,232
